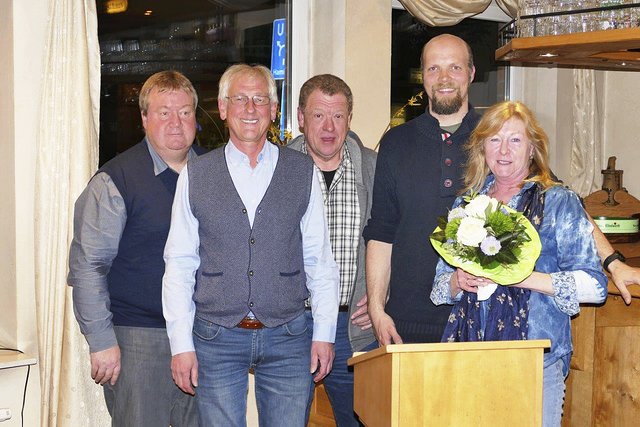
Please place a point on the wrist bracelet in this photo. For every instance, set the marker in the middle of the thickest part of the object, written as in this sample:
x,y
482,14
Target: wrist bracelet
x,y
616,255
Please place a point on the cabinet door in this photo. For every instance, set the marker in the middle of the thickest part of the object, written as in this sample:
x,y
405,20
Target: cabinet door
x,y
616,378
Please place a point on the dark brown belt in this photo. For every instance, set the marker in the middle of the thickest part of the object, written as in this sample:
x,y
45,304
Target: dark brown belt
x,y
341,308
250,323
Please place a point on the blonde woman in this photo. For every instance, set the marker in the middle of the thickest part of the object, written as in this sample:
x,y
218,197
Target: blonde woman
x,y
508,160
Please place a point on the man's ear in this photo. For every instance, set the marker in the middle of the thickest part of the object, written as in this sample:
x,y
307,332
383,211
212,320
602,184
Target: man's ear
x,y
222,108
143,116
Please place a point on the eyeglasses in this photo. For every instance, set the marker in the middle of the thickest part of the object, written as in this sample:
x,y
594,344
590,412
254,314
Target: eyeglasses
x,y
243,99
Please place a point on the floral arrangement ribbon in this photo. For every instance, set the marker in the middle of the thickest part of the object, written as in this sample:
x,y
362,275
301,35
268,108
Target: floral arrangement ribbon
x,y
488,239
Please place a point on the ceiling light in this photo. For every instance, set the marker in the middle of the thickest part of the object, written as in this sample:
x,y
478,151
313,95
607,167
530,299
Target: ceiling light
x,y
116,6
148,12
548,55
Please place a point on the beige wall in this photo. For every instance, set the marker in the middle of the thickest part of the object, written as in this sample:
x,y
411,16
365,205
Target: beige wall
x,y
621,125
22,31
351,39
368,66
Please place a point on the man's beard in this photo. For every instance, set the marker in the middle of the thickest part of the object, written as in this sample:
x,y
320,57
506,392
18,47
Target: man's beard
x,y
446,106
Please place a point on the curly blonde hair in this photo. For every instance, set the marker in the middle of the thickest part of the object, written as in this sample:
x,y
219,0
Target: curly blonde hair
x,y
476,169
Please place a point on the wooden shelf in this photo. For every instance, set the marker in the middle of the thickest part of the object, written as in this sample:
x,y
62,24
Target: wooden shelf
x,y
607,49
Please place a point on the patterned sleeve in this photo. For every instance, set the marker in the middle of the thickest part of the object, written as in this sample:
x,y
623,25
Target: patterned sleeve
x,y
441,292
565,295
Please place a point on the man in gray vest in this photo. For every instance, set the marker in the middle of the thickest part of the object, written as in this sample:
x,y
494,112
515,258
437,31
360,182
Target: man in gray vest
x,y
346,169
120,227
248,245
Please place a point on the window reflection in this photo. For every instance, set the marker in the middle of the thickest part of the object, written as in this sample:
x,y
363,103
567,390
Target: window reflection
x,y
199,38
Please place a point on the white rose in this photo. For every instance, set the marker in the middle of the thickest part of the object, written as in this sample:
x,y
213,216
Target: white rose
x,y
471,231
478,205
456,213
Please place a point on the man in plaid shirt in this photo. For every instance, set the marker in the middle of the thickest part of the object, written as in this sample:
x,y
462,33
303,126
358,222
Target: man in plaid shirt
x,y
347,169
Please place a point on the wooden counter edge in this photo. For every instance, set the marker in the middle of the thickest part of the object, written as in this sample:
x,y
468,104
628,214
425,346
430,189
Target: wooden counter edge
x,y
453,346
634,289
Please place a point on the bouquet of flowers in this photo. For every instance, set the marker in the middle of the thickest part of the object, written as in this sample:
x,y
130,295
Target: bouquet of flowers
x,y
488,239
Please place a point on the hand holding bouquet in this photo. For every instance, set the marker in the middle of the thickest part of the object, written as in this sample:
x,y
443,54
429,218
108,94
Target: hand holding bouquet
x,y
488,239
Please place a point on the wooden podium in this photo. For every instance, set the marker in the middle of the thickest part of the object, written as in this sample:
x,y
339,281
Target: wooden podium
x,y
496,383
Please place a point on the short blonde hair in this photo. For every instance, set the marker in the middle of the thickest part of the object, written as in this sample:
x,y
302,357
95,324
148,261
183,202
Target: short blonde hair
x,y
165,81
254,71
476,170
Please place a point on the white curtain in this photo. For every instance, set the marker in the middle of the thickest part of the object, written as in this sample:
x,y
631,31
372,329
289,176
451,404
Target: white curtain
x,y
586,147
67,156
438,13
510,7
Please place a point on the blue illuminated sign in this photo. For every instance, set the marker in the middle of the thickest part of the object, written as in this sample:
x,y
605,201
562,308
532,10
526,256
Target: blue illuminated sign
x,y
278,50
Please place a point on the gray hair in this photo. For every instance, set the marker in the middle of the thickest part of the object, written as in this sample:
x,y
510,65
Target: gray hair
x,y
254,71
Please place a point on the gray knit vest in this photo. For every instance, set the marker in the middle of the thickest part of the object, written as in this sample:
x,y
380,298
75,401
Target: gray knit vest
x,y
242,269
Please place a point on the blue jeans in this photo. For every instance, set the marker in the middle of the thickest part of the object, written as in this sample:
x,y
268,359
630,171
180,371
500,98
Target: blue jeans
x,y
339,382
280,360
553,394
145,394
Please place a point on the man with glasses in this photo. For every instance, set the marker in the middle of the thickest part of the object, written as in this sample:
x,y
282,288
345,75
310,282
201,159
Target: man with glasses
x,y
248,226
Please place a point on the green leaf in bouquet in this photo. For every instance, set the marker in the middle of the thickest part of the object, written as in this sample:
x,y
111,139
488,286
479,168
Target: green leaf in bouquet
x,y
451,228
469,197
500,223
438,235
487,261
442,222
507,238
489,211
506,257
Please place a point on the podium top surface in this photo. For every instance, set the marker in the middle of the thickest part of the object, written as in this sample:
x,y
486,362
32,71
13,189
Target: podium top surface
x,y
448,346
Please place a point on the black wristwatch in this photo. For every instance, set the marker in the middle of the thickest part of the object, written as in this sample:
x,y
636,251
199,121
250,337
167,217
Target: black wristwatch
x,y
614,256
